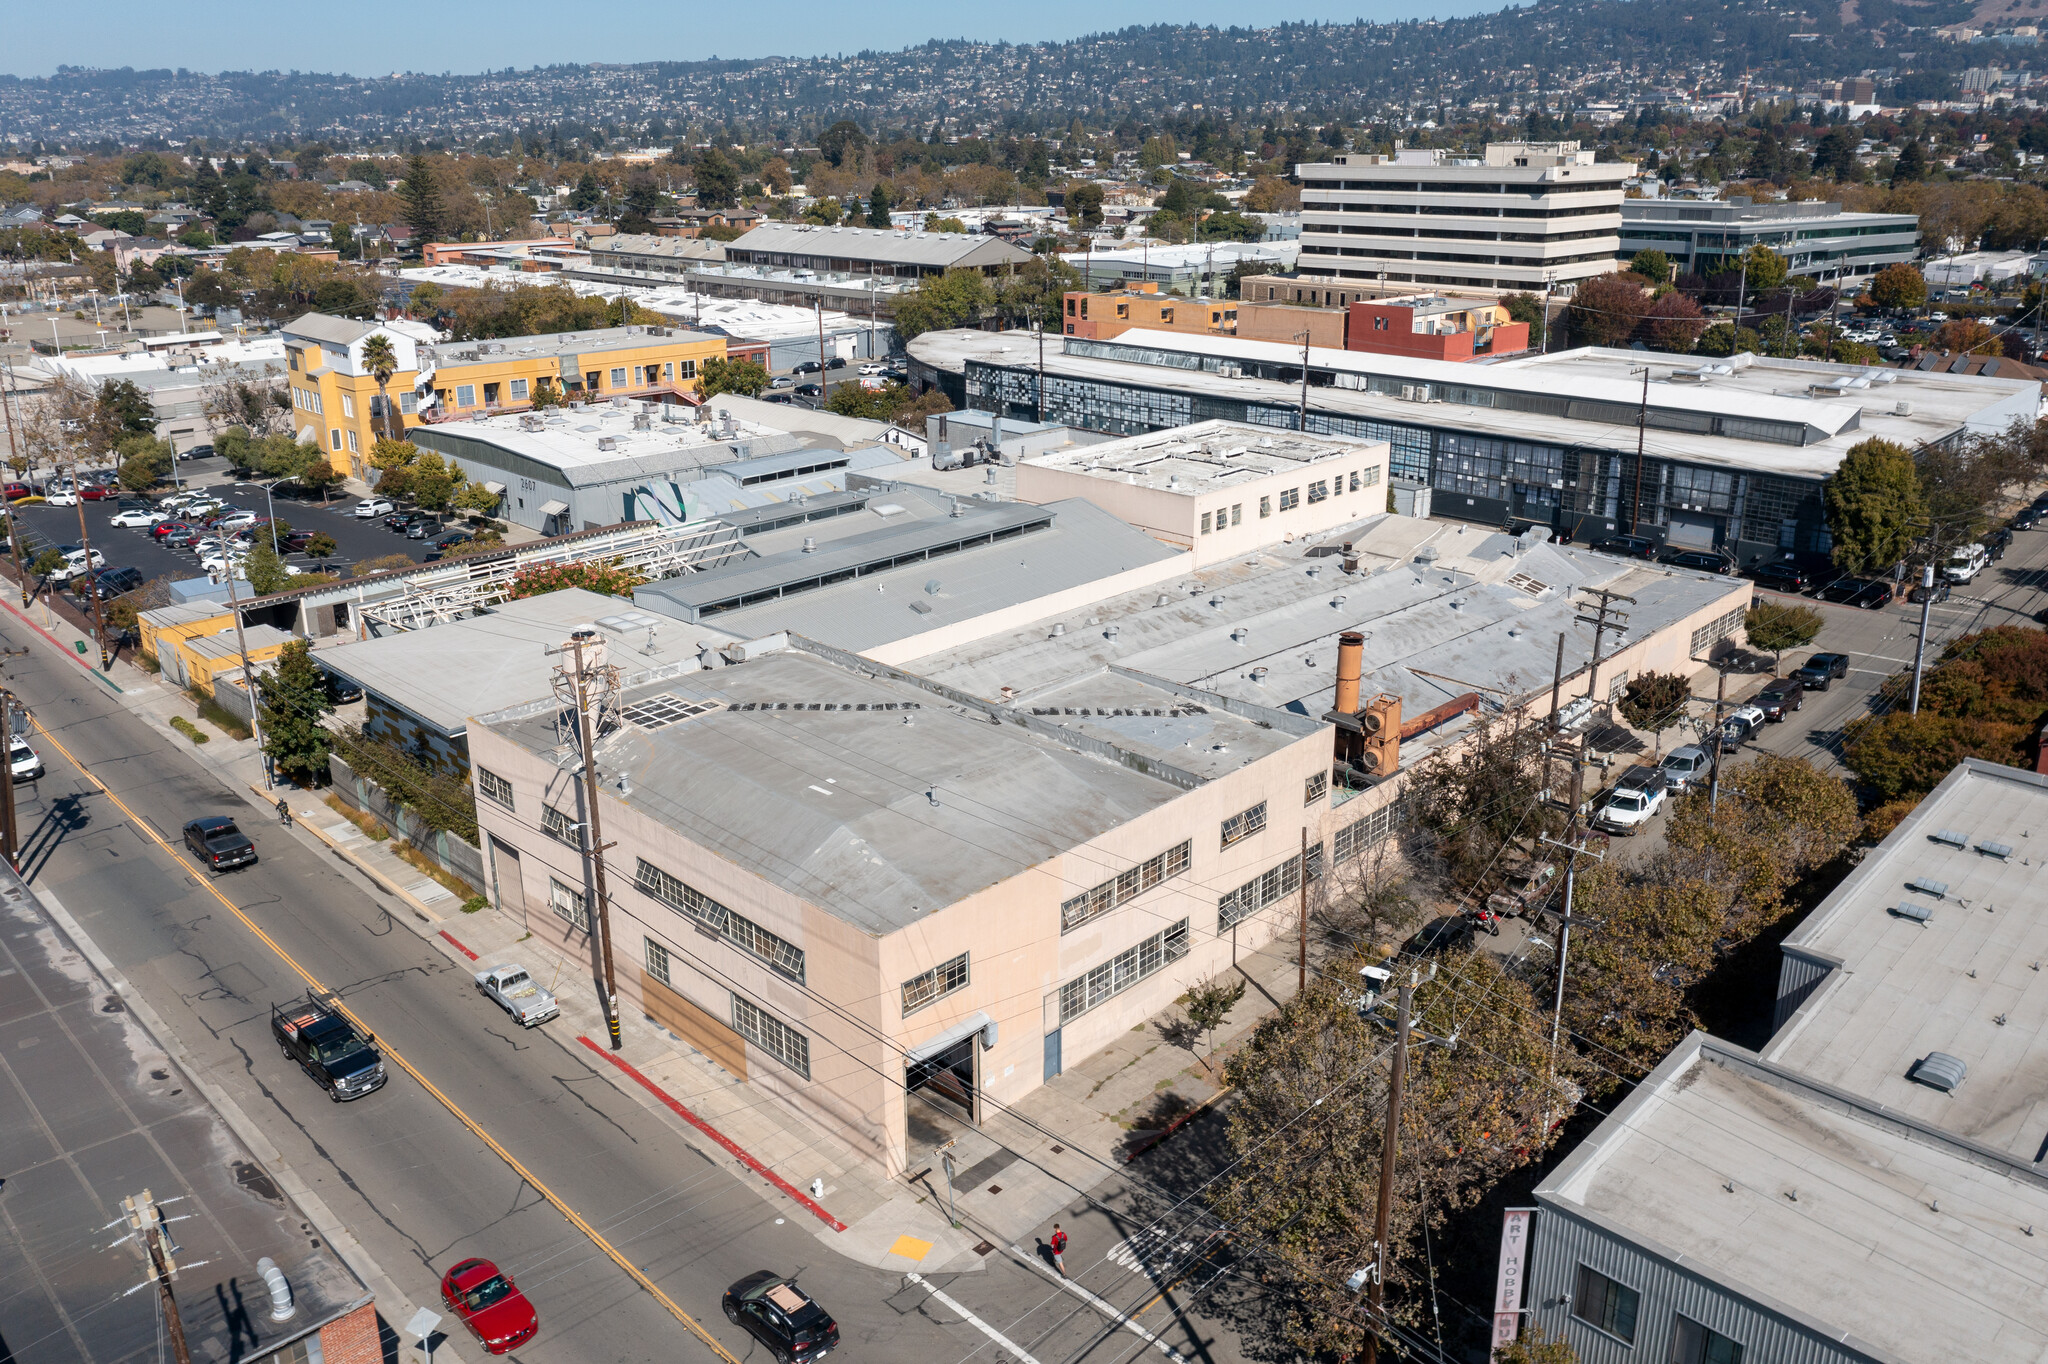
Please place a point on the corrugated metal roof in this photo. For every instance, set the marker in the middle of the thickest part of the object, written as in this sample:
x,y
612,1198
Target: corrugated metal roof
x,y
880,245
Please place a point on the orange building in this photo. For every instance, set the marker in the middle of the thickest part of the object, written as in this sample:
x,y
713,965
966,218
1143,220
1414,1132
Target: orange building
x,y
1098,317
1433,327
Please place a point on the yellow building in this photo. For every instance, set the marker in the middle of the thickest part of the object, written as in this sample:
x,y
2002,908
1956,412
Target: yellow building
x,y
337,404
1099,317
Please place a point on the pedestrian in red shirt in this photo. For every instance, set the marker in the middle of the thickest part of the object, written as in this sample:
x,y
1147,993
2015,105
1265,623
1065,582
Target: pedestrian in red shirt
x,y
1059,1250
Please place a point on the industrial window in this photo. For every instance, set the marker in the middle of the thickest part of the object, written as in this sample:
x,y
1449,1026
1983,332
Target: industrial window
x,y
1372,478
1355,837
1265,506
1318,491
1205,522
1315,788
1123,971
1242,826
1236,513
657,961
560,827
1716,630
937,983
772,1035
742,932
519,391
493,787
465,395
1290,498
1099,900
568,904
619,377
1692,1343
1275,883
1600,1301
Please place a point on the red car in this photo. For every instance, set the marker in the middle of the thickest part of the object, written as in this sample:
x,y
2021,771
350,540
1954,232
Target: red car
x,y
94,492
14,492
163,529
496,1312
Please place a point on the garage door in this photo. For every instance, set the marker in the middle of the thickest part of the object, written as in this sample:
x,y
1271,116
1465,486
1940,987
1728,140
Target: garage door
x,y
1693,532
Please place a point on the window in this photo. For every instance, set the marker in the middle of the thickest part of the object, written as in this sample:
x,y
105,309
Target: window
x,y
491,395
1372,478
686,369
353,448
560,827
465,395
1290,499
1205,522
1124,886
1692,1343
408,404
1275,883
937,983
1242,826
657,961
1354,481
348,405
1123,971
1355,837
294,357
569,904
772,1035
619,377
590,379
334,438
519,390
1319,491
1236,513
1716,630
493,787
1315,788
1600,1301
716,919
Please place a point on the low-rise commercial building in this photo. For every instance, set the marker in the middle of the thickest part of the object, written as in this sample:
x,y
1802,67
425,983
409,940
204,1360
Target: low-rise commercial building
x,y
875,251
1816,239
640,257
1526,216
1203,269
1109,314
1433,327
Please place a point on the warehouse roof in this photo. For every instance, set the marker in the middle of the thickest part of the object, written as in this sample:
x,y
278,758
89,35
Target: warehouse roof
x,y
881,245
1201,458
1966,981
1868,1228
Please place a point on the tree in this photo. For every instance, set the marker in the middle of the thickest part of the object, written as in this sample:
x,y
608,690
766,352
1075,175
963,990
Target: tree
x,y
825,212
381,359
1776,627
1475,797
1607,308
1835,156
1982,698
1911,167
878,204
435,480
587,194
1084,205
1655,701
319,475
721,374
718,180
1652,265
122,409
266,570
322,546
1767,269
842,140
421,195
1271,194
1675,323
1526,308
1873,506
609,578
1967,336
1208,1003
144,462
1534,1347
293,697
957,298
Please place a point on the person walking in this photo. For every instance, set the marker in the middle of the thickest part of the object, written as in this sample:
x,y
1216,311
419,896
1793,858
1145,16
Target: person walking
x,y
1059,1250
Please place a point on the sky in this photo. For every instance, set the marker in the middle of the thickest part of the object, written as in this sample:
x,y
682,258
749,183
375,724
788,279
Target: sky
x,y
478,35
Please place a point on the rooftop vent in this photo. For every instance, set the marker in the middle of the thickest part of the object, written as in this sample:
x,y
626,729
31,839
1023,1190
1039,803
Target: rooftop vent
x,y
1059,627
810,544
1111,631
1952,838
1927,885
1939,1070
931,587
1907,909
1259,674
2001,851
1164,600
1426,555
607,442
1239,635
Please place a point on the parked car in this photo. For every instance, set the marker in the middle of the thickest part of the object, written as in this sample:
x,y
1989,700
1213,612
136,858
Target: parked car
x,y
403,522
1523,889
1844,591
781,381
807,367
1734,731
515,991
1876,594
341,690
115,582
490,1305
1966,563
441,546
236,519
76,563
16,491
180,536
197,452
1822,669
1750,714
62,497
1939,592
1700,560
1638,798
872,369
1685,768
809,391
1782,576
25,762
1447,934
314,1033
836,362
1627,546
1786,694
218,844
136,518
95,492
773,1310
422,528
372,506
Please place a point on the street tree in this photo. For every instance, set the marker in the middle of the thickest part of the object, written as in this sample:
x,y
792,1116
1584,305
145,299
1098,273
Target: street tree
x,y
1654,701
1675,323
1607,308
293,696
1652,265
265,569
1874,507
1776,627
1208,1004
1475,797
1766,268
724,375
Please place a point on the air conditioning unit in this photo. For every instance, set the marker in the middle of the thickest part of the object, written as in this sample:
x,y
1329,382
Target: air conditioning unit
x,y
1415,393
607,442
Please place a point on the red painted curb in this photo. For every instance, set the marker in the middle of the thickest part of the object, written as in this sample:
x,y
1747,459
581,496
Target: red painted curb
x,y
80,659
708,1130
458,946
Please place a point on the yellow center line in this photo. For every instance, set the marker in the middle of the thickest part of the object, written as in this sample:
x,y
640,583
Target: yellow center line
x,y
560,1204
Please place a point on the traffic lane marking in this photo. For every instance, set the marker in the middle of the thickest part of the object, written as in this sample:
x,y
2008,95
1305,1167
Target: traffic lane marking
x,y
1016,1351
476,1129
1108,1310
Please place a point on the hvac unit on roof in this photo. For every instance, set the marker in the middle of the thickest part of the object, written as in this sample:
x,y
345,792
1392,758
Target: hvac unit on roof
x,y
1415,393
607,442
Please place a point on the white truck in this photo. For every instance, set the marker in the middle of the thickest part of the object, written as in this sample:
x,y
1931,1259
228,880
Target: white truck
x,y
1636,800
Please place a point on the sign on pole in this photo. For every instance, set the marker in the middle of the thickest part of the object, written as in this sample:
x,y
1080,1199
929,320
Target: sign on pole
x,y
1514,1264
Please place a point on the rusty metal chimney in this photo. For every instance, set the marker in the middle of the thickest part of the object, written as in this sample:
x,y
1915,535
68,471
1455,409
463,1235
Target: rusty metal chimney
x,y
1350,664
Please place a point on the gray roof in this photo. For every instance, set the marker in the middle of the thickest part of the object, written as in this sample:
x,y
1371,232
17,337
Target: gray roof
x,y
880,245
650,244
452,355
833,805
97,1110
335,331
802,420
254,637
1967,983
1899,1245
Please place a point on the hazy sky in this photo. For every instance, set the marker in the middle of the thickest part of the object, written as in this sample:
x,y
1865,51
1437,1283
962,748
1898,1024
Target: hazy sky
x,y
473,35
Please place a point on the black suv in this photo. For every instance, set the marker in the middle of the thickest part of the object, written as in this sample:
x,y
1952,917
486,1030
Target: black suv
x,y
1781,696
781,1316
1702,560
315,1034
218,844
1822,669
1783,576
1627,546
1447,934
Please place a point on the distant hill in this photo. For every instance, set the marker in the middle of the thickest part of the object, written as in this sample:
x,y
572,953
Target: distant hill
x,y
1587,49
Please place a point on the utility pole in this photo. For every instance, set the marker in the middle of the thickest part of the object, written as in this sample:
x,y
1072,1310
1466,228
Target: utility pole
x,y
1714,772
1573,849
591,680
1601,626
1920,648
1635,510
1301,422
1390,1150
1301,982
10,822
248,677
145,1221
13,534
92,582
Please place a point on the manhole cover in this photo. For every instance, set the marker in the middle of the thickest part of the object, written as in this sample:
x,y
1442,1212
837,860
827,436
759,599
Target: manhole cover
x,y
984,1248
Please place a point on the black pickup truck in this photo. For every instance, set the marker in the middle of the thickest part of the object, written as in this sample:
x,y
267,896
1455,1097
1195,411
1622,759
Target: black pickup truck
x,y
315,1033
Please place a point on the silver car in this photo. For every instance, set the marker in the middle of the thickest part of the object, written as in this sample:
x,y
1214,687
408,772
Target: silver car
x,y
518,994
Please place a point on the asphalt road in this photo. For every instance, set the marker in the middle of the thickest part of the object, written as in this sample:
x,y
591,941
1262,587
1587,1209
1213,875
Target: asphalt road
x,y
418,1186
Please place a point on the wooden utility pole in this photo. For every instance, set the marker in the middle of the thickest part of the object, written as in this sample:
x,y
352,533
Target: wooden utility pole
x,y
1301,983
92,581
1601,626
10,833
7,408
1301,421
147,1225
1390,1146
593,834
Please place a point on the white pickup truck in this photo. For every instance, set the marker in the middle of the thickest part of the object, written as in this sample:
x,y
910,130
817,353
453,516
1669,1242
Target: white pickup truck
x,y
1636,800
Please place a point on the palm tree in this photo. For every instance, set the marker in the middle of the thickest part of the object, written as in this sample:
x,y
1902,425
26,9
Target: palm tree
x,y
382,362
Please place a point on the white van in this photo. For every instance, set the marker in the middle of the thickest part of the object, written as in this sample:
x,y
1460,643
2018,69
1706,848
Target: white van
x,y
1966,563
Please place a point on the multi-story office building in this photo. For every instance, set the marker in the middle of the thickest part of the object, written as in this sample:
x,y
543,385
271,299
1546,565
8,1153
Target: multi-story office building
x,y
1815,238
1526,217
338,405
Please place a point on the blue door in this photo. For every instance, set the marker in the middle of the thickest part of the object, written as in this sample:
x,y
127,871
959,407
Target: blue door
x,y
1052,1053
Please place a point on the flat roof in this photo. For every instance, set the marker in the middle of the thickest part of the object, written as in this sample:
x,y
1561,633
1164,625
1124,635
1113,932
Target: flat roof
x,y
1968,981
226,645
97,1111
557,345
574,441
1203,458
880,244
877,810
1899,1245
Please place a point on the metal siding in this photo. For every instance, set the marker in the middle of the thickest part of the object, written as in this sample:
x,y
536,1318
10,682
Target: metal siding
x,y
1799,975
1564,1242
